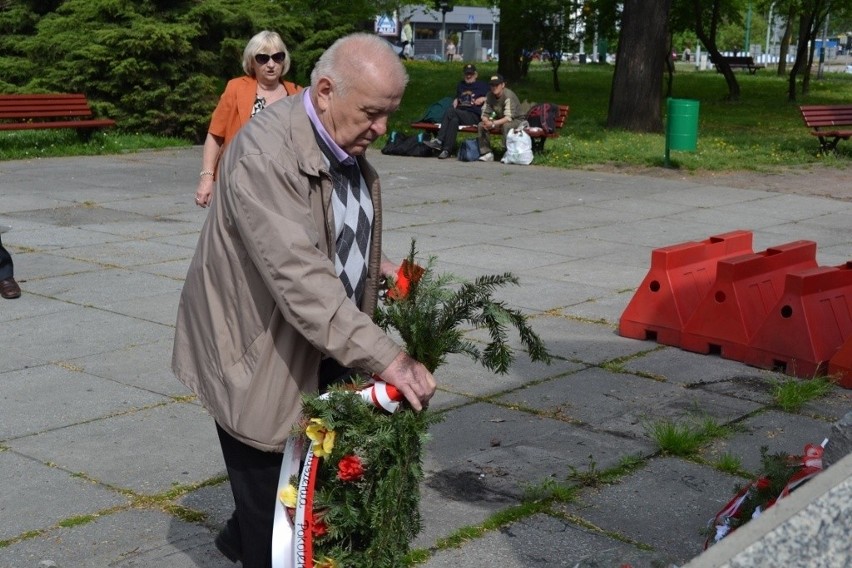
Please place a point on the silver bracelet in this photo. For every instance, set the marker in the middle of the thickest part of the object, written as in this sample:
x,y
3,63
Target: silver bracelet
x,y
205,173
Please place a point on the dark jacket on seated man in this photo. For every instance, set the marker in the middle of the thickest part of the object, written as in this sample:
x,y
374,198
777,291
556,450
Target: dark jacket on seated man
x,y
465,111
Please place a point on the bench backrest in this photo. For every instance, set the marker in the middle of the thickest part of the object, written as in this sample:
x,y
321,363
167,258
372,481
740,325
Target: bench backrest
x,y
737,59
826,115
44,106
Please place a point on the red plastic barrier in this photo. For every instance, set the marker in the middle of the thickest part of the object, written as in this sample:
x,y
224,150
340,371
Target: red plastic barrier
x,y
840,366
746,288
676,282
808,325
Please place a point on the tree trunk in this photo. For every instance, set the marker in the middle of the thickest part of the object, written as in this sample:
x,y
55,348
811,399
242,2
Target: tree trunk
x,y
801,56
708,39
784,48
809,22
511,39
635,102
554,66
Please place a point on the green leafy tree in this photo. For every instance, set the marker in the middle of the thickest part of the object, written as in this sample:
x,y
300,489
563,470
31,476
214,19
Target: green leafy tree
x,y
158,66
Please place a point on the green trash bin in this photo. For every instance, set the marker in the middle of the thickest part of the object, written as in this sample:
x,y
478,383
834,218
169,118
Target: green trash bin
x,y
681,125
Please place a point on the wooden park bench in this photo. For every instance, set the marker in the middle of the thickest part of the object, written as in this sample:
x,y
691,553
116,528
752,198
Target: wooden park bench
x,y
538,135
741,62
30,112
830,123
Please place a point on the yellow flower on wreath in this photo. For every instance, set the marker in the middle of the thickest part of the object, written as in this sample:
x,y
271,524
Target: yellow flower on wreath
x,y
326,562
321,436
288,496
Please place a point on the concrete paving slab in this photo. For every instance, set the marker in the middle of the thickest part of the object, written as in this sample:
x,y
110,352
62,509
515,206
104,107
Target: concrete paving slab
x,y
46,238
465,377
665,505
127,254
105,287
543,541
147,229
38,495
503,451
147,451
615,275
655,233
54,339
589,342
549,290
146,367
39,265
160,308
76,397
622,403
687,368
778,431
130,538
216,502
755,386
27,306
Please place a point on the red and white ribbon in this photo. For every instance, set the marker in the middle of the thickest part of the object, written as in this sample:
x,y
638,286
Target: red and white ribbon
x,y
382,395
292,542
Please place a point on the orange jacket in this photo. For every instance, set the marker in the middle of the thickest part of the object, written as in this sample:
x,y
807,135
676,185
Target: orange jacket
x,y
235,104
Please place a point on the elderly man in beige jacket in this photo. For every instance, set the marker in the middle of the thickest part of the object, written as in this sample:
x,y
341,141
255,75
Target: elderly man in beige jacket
x,y
286,272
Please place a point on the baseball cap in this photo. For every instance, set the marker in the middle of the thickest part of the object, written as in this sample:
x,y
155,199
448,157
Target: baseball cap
x,y
496,79
469,69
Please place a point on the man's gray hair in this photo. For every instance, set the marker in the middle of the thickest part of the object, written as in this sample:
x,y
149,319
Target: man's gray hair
x,y
349,57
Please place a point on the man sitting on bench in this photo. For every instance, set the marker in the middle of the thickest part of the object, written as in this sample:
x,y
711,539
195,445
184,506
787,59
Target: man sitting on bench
x,y
465,111
501,109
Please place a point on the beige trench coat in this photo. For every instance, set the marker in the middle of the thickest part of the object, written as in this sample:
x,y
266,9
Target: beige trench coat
x,y
262,301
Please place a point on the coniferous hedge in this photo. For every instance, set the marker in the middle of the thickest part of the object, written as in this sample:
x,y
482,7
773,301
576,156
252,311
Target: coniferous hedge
x,y
157,66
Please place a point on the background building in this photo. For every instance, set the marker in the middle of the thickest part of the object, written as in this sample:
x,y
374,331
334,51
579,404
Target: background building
x,y
429,24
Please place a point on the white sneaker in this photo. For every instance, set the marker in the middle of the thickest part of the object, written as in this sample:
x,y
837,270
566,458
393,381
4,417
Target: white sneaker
x,y
489,157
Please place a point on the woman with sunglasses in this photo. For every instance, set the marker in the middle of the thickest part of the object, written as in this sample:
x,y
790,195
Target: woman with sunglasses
x,y
265,61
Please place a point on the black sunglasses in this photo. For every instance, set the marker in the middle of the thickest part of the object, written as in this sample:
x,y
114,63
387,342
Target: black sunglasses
x,y
263,59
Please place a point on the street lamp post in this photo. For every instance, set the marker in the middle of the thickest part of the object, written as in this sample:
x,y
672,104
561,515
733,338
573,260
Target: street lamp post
x,y
495,16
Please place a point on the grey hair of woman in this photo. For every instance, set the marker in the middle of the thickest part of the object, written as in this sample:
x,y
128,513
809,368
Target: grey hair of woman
x,y
264,42
369,50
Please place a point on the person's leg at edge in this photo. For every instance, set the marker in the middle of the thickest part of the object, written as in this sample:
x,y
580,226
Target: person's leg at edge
x,y
484,140
254,482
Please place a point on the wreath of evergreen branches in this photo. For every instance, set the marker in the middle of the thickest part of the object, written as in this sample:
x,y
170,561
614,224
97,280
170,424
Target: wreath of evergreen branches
x,y
369,522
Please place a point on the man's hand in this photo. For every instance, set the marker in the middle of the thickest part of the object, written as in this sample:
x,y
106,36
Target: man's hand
x,y
411,379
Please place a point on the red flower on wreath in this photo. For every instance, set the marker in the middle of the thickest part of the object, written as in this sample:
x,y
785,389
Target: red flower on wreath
x,y
318,527
407,275
349,468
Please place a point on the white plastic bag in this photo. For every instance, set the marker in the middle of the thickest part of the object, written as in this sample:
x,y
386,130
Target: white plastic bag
x,y
518,147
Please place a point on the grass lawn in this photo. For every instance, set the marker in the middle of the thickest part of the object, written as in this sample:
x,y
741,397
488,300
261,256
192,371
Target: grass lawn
x,y
760,132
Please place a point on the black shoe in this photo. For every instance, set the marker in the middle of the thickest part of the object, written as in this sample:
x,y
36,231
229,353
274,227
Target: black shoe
x,y
434,143
443,155
228,543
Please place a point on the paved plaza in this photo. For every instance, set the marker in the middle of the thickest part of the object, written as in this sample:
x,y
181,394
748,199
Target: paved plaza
x,y
106,459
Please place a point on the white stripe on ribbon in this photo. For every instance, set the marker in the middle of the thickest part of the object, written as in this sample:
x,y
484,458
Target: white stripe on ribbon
x,y
290,543
282,529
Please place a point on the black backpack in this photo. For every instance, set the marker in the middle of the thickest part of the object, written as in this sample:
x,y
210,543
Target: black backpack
x,y
400,144
543,115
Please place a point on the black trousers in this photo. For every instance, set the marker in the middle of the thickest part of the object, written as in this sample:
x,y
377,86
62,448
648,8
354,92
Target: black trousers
x,y
449,131
7,269
253,475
